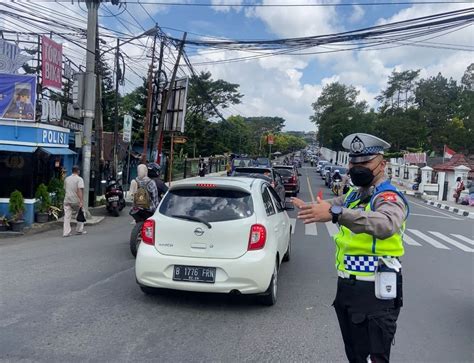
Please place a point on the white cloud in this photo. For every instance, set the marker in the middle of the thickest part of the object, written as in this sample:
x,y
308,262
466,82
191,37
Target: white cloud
x,y
358,13
224,8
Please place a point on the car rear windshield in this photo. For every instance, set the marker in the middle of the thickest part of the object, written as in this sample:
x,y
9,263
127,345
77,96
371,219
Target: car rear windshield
x,y
242,162
211,205
284,171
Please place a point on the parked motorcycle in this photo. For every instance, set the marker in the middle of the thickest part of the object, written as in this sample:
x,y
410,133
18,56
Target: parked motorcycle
x,y
140,215
114,196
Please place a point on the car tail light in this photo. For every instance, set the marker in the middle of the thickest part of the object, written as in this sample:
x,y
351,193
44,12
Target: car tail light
x,y
206,185
293,179
148,232
258,237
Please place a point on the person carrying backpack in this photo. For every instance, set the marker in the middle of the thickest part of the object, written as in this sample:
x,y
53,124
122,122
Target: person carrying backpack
x,y
154,172
144,190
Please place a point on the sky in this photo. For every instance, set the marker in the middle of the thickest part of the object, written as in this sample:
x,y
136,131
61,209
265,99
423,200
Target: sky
x,y
284,85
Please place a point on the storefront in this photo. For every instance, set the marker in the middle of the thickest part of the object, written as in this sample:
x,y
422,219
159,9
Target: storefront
x,y
30,154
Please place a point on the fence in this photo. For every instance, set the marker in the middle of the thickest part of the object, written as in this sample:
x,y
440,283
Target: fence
x,y
187,168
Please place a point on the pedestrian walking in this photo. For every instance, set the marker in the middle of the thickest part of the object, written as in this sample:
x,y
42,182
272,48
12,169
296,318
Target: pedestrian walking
x,y
458,189
73,201
202,167
369,245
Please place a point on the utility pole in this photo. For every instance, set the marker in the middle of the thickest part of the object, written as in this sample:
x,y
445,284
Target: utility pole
x,y
158,90
116,120
89,95
149,103
164,107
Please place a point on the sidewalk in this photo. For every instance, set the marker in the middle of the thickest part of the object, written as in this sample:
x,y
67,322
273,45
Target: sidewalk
x,y
36,228
459,209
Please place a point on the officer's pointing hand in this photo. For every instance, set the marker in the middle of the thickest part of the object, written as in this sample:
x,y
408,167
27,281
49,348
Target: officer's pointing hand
x,y
313,212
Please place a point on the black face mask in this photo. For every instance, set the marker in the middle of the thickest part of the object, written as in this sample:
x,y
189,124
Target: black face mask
x,y
362,176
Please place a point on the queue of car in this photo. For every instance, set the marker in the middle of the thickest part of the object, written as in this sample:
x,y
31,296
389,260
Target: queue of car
x,y
221,234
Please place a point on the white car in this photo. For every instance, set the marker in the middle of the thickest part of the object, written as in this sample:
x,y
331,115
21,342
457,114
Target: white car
x,y
216,234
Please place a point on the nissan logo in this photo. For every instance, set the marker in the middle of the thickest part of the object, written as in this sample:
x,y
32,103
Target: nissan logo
x,y
198,232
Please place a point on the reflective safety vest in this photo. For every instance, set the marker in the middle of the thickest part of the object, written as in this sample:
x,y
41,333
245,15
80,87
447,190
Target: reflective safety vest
x,y
357,254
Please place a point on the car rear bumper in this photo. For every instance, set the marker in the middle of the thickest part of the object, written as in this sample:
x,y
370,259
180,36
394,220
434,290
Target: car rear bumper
x,y
249,274
291,187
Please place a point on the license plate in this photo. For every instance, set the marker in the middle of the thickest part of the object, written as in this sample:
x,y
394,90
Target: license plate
x,y
194,274
113,199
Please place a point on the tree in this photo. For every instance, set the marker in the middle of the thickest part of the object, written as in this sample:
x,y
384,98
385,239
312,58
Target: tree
x,y
205,97
399,93
337,113
438,101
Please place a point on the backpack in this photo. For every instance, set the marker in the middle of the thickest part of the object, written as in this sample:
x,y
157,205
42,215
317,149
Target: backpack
x,y
141,198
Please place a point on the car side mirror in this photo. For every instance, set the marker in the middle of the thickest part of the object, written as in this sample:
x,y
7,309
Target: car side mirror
x,y
299,174
289,206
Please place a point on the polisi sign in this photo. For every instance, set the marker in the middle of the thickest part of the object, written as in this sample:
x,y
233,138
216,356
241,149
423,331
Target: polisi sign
x,y
54,137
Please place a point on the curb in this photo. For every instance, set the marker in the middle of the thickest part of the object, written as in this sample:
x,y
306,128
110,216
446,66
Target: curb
x,y
449,208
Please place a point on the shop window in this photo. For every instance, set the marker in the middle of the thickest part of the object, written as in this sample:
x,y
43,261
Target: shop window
x,y
16,172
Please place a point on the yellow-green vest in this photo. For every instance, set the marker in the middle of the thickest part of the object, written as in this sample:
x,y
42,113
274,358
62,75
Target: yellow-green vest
x,y
357,254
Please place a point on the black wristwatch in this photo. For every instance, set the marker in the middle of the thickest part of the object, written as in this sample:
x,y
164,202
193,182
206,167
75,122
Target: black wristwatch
x,y
336,211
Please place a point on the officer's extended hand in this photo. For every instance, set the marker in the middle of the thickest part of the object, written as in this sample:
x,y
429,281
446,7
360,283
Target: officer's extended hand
x,y
311,213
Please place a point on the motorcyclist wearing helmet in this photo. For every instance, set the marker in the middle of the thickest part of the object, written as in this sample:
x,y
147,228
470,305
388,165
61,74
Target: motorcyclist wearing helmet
x,y
154,172
336,176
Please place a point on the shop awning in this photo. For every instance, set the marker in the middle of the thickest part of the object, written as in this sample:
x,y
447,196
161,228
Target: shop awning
x,y
17,148
58,150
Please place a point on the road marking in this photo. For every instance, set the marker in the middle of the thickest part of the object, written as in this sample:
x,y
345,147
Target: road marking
x,y
293,225
462,238
431,216
310,229
453,242
410,241
310,190
332,228
428,239
433,210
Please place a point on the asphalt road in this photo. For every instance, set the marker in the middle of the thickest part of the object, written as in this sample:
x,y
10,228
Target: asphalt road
x,y
75,299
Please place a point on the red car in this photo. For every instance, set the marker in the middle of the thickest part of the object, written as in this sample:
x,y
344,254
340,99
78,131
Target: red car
x,y
290,176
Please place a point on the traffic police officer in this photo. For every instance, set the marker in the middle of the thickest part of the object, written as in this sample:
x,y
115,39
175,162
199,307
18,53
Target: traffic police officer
x,y
371,218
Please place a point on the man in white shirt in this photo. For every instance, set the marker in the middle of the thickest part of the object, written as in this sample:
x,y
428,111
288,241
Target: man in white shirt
x,y
73,200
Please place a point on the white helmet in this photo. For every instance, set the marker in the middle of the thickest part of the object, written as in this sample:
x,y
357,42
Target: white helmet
x,y
337,171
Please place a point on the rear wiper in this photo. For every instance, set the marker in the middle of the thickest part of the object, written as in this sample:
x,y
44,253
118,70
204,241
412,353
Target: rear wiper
x,y
194,219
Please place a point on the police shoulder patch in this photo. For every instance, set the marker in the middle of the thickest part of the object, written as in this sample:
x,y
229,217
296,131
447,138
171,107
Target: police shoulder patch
x,y
389,196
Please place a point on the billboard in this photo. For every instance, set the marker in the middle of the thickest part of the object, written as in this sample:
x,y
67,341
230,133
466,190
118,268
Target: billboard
x,y
51,63
176,113
11,58
415,158
17,97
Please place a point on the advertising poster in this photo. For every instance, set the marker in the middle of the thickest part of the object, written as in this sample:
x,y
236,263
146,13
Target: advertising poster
x,y
51,63
17,97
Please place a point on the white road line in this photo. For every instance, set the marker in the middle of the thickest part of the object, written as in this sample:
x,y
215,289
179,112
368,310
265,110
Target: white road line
x,y
310,229
428,239
433,209
462,238
410,241
332,228
431,216
293,225
453,242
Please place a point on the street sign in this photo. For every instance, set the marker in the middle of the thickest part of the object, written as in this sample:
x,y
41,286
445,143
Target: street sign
x,y
179,140
270,140
127,128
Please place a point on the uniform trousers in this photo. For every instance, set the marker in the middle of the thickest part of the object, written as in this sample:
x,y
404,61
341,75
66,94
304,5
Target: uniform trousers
x,y
367,323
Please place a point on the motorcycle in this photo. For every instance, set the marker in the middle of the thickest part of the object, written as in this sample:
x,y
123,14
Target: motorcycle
x,y
114,196
337,187
140,215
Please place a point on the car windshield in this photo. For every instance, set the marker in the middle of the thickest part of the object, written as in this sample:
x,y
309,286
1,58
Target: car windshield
x,y
263,161
285,172
210,205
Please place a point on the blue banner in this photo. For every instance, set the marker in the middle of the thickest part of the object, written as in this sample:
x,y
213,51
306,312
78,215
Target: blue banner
x,y
17,97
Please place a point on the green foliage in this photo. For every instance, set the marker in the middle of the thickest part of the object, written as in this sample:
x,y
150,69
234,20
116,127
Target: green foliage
x,y
56,187
44,200
16,205
337,113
